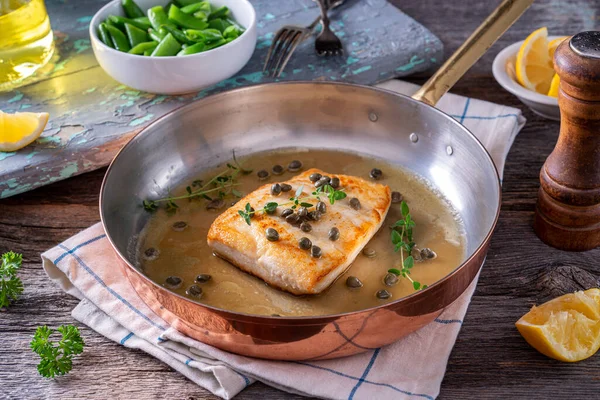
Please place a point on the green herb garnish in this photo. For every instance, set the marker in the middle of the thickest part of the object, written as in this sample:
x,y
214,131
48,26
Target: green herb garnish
x,y
402,239
10,284
56,358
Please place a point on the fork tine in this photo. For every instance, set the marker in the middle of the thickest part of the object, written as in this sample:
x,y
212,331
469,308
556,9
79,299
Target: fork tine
x,y
287,50
298,39
277,52
274,43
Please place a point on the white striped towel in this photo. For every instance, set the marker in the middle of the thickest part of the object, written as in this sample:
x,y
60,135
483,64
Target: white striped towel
x,y
410,368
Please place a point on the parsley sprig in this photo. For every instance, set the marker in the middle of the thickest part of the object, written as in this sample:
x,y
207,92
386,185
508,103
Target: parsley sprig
x,y
402,239
327,191
56,358
10,284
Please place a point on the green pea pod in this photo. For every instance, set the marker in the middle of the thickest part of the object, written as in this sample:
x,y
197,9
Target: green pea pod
x,y
206,35
231,32
158,17
168,7
216,44
148,52
193,49
234,23
135,35
104,35
143,20
177,34
131,9
169,46
156,35
141,48
183,3
201,15
218,24
118,38
184,20
220,12
120,22
201,6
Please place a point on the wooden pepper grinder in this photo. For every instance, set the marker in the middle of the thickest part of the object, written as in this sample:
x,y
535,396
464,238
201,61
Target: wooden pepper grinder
x,y
568,208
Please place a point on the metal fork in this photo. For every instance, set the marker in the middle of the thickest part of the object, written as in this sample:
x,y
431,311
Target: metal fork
x,y
286,41
327,43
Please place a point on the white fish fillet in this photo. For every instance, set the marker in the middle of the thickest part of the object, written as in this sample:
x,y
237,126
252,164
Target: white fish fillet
x,y
283,264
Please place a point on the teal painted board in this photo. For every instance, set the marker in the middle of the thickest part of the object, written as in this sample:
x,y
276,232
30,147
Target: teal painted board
x,y
92,116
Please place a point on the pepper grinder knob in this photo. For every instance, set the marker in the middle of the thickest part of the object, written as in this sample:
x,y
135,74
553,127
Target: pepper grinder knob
x,y
568,208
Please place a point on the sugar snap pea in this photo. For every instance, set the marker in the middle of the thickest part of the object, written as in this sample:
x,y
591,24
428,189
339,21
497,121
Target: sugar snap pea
x,y
148,52
218,24
144,20
141,48
119,22
118,38
193,49
206,35
216,44
195,7
169,46
156,35
231,32
201,15
177,34
158,17
220,12
183,3
132,10
185,20
135,35
105,35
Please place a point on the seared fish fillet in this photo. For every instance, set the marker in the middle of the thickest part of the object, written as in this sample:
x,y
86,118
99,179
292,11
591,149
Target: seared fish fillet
x,y
283,264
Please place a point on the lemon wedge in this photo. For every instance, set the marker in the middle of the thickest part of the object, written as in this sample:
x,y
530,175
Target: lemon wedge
x,y
533,65
553,45
553,91
566,328
20,129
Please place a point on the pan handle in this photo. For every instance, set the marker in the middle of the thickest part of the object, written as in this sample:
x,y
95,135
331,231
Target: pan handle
x,y
471,50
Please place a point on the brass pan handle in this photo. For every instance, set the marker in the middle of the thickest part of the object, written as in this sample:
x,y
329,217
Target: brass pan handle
x,y
471,50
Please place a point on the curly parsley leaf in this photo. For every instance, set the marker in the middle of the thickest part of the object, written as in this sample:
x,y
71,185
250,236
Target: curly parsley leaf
x,y
10,284
56,358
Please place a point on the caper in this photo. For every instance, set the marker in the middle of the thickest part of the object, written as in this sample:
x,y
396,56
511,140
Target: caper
x,y
275,315
272,235
355,203
321,182
276,189
194,291
416,254
334,234
314,215
294,166
277,169
335,182
151,254
302,212
293,219
369,252
262,174
383,294
285,187
173,282
376,173
304,243
286,212
428,254
315,177
316,252
305,227
179,226
203,278
321,207
390,279
215,204
353,282
397,197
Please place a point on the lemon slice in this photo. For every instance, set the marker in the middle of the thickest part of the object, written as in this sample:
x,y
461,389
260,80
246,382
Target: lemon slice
x,y
533,65
552,47
20,129
566,328
553,91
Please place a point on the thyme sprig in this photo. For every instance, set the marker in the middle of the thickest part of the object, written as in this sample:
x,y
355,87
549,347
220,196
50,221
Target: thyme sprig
x,y
296,201
402,239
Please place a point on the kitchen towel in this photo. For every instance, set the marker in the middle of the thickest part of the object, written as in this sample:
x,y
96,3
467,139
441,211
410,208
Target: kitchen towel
x,y
85,267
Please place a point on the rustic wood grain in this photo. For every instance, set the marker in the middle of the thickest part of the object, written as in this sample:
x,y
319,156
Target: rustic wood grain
x,y
490,359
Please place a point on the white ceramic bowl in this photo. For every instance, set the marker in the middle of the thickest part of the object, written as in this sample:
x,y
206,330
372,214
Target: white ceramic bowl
x,y
176,75
504,72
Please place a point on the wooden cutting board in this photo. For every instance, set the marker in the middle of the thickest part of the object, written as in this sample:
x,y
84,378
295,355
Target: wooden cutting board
x,y
92,116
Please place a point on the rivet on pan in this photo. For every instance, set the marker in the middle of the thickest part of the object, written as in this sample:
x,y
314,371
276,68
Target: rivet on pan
x,y
449,150
414,137
373,117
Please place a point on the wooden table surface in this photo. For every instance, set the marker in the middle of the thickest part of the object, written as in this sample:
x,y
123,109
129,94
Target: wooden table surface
x,y
490,359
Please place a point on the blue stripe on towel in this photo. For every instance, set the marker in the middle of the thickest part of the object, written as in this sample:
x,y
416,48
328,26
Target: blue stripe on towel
x,y
246,380
126,338
464,114
365,373
448,321
111,291
66,253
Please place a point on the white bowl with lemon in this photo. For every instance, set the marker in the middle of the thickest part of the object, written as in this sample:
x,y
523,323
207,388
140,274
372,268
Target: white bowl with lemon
x,y
526,69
